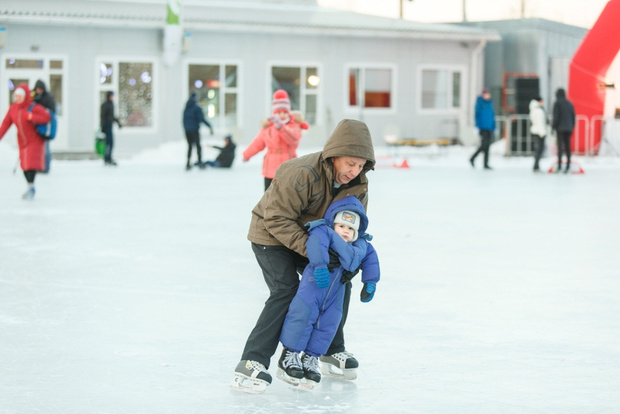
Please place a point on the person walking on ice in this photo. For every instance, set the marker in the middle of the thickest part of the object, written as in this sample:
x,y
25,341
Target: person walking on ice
x,y
302,190
316,309
25,115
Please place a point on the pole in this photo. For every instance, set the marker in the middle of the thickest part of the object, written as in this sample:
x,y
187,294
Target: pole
x,y
464,10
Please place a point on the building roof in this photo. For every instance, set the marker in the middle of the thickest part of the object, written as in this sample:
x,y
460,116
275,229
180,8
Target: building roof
x,y
290,17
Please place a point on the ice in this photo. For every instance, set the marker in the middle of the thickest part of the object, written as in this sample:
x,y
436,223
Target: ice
x,y
133,289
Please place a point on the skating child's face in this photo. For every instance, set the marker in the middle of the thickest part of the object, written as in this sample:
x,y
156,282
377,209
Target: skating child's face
x,y
18,98
283,115
344,231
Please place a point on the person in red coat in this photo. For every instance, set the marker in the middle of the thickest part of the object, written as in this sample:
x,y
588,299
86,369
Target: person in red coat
x,y
31,145
280,134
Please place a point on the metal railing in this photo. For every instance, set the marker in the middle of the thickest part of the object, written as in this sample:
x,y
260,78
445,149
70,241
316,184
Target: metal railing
x,y
516,130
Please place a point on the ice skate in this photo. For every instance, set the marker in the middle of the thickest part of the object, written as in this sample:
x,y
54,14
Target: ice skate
x,y
312,372
289,367
28,195
339,365
251,377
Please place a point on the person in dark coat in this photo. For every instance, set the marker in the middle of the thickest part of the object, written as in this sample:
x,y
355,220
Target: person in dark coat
x,y
45,99
563,124
321,291
192,118
227,154
107,122
485,122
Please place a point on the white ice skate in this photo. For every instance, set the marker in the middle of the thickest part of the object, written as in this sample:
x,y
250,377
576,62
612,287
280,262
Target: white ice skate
x,y
251,377
339,365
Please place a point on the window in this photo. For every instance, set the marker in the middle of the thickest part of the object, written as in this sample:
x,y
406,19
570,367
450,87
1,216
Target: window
x,y
302,85
371,87
30,70
132,84
441,89
216,86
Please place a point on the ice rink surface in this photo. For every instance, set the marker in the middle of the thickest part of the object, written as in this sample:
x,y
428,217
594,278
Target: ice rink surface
x,y
133,289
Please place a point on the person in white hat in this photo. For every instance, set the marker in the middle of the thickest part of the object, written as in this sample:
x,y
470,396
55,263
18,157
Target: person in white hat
x,y
25,114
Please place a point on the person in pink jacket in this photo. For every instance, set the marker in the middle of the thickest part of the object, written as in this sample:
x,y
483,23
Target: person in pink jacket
x,y
25,114
280,134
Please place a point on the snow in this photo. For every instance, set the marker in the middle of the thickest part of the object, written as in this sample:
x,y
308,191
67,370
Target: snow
x,y
133,289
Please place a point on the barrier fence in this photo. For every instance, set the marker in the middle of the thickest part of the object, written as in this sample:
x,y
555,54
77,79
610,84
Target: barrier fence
x,y
516,130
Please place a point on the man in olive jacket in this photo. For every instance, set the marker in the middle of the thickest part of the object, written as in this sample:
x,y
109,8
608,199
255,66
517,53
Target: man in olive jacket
x,y
301,191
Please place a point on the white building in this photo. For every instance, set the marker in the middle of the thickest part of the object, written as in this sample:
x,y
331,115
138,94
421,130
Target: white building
x,y
417,80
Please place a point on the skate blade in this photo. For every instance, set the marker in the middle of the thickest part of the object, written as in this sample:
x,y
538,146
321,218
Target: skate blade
x,y
248,385
307,385
335,372
286,378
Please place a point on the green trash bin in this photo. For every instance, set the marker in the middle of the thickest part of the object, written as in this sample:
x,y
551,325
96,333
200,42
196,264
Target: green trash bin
x,y
100,143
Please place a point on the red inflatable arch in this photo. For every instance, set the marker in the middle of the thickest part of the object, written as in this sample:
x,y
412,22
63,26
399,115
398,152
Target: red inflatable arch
x,y
586,78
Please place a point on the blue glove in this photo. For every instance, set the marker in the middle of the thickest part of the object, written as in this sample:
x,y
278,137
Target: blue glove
x,y
368,292
321,277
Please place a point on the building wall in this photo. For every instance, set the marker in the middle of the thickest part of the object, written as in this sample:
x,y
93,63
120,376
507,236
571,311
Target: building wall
x,y
82,47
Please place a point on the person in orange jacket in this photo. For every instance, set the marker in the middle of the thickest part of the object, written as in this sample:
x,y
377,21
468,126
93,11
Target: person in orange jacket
x,y
280,134
25,114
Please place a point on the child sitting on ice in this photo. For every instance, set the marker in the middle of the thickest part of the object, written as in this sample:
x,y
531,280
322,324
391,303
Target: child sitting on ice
x,y
315,312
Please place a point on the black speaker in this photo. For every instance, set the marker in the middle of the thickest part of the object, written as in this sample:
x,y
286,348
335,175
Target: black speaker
x,y
526,89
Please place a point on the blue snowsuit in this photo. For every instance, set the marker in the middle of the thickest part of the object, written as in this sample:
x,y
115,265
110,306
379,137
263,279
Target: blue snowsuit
x,y
314,314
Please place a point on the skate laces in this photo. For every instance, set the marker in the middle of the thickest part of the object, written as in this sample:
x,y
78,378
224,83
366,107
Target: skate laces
x,y
255,366
310,363
342,356
291,359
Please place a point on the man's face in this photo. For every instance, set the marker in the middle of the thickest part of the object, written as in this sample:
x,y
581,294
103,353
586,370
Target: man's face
x,y
486,96
38,91
347,168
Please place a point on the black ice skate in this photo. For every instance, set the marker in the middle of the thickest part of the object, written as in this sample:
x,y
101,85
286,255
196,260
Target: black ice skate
x,y
312,372
289,367
339,365
251,377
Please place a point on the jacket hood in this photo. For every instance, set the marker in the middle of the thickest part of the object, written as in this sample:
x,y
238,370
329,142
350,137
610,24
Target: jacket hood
x,y
350,203
28,97
560,93
351,138
40,84
190,103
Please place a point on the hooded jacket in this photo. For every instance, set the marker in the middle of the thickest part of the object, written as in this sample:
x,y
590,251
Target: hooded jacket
x,y
193,116
538,119
31,145
303,188
315,313
563,113
44,98
485,114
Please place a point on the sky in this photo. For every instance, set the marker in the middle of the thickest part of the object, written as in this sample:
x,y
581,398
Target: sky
x,y
580,13
132,290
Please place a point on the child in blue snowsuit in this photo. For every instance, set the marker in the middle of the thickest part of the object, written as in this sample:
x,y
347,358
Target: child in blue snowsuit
x,y
316,310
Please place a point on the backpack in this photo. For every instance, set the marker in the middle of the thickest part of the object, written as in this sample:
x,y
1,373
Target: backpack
x,y
46,131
